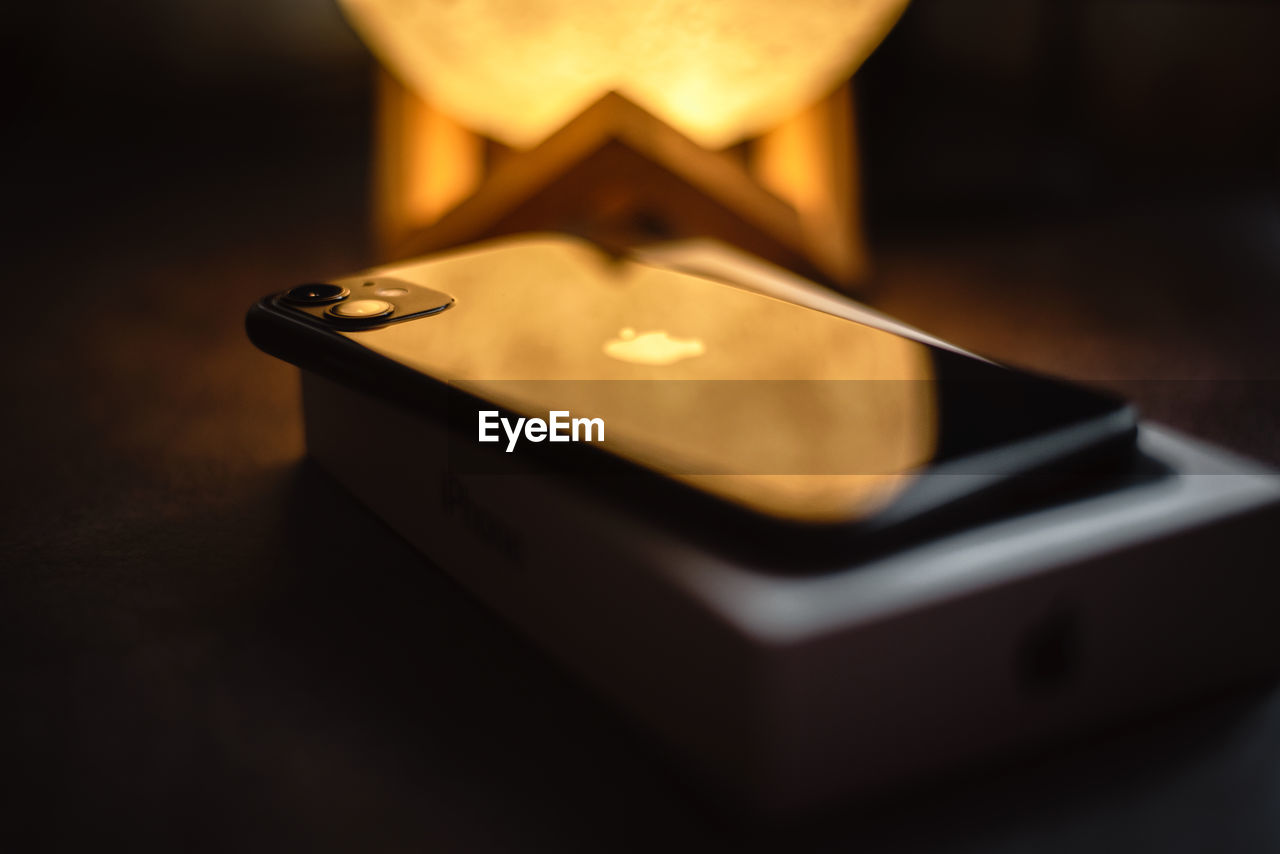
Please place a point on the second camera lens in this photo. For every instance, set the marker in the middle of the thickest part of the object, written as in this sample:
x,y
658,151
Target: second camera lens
x,y
361,309
318,294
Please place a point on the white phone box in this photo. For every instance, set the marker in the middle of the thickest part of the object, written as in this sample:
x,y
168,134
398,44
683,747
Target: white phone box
x,y
795,691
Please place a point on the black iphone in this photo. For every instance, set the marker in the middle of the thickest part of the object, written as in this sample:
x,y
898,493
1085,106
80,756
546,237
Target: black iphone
x,y
738,417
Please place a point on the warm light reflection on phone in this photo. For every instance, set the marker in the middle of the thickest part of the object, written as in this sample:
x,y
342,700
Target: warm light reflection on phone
x,y
756,443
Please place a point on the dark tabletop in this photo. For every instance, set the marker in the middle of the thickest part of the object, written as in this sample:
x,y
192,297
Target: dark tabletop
x,y
193,660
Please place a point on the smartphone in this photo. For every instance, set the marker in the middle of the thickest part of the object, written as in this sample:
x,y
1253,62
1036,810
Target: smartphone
x,y
742,419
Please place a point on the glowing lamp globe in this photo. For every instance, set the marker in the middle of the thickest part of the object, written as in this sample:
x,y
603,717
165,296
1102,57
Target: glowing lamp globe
x,y
474,83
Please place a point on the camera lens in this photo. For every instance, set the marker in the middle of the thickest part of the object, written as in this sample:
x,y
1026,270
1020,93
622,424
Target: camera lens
x,y
318,294
361,309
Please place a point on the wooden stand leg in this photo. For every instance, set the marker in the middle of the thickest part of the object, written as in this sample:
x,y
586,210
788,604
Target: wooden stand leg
x,y
618,175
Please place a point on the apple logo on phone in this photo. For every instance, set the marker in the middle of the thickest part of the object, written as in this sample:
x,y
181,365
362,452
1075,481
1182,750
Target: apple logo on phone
x,y
652,348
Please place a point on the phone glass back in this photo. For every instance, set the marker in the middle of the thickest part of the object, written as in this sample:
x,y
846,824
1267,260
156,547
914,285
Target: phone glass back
x,y
780,409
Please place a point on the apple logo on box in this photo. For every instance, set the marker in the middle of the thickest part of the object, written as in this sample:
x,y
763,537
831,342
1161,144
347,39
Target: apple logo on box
x,y
651,348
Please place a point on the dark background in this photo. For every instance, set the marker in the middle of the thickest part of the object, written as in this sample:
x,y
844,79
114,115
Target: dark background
x,y
192,657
